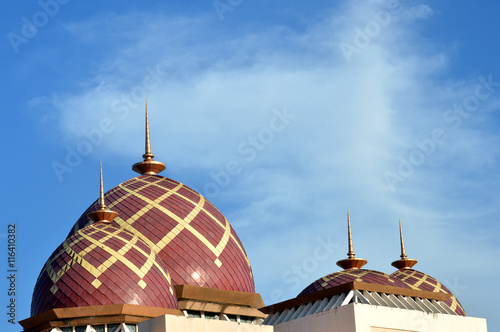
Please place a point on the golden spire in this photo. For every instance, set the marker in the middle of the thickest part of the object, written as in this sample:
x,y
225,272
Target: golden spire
x,y
102,214
351,262
102,204
403,252
351,253
403,263
148,155
148,166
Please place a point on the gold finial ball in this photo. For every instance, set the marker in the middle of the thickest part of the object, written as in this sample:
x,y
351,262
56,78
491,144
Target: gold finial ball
x,y
148,156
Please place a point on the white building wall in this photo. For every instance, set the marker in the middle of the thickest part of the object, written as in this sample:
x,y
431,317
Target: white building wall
x,y
354,317
168,323
369,318
340,319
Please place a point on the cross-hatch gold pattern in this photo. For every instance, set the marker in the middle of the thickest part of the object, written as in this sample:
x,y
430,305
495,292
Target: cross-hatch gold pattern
x,y
438,287
80,257
358,275
183,223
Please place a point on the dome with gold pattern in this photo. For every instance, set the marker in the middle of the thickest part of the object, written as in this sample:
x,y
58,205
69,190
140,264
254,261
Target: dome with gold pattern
x,y
102,264
359,275
193,239
159,234
424,282
421,281
352,272
405,278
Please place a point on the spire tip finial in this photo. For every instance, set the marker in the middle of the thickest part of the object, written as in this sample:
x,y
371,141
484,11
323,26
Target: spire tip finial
x,y
148,155
148,165
403,251
102,204
351,262
403,262
351,253
102,213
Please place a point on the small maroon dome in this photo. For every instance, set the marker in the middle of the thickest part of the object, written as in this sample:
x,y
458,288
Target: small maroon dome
x,y
193,239
346,276
99,265
421,281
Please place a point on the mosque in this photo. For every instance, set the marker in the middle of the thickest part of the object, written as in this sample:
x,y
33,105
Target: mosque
x,y
153,255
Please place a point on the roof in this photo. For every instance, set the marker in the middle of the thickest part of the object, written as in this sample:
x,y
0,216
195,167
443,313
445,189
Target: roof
x,y
194,240
421,281
403,279
350,275
102,264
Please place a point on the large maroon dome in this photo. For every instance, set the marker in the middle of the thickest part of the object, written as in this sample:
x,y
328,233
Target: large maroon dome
x,y
99,265
193,239
346,276
424,282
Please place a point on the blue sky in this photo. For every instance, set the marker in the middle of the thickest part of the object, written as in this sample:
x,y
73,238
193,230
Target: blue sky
x,y
389,109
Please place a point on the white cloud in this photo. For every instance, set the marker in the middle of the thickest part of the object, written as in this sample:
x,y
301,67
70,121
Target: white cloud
x,y
422,11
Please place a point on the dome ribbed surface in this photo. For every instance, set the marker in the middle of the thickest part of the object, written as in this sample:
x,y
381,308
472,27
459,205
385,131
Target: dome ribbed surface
x,y
193,239
421,281
346,276
99,265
